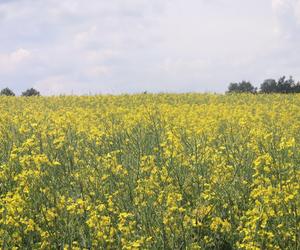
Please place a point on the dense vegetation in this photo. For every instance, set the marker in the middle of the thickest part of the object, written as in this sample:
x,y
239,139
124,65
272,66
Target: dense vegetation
x,y
7,92
150,172
283,85
28,92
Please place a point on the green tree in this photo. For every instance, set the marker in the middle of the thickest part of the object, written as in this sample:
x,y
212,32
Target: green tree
x,y
283,85
31,92
296,87
241,87
7,92
268,86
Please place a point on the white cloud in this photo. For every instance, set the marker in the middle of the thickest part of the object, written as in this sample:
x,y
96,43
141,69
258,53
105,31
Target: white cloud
x,y
98,55
9,62
186,66
19,55
287,26
82,38
98,71
59,84
53,85
135,45
287,13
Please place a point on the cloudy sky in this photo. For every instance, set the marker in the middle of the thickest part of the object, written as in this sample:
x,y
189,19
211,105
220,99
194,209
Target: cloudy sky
x,y
117,46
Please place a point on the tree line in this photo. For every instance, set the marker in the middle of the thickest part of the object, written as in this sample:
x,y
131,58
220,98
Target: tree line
x,y
282,85
28,92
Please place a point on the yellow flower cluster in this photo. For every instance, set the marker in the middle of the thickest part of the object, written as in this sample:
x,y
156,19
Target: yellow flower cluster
x,y
161,171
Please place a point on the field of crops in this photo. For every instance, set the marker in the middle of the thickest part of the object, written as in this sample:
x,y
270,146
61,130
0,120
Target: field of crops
x,y
149,171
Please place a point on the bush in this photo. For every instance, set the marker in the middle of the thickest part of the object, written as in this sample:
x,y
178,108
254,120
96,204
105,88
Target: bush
x,y
283,85
7,92
31,92
268,86
241,87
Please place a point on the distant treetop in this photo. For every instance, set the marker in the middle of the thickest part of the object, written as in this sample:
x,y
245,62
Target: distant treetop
x,y
282,85
31,92
241,87
7,92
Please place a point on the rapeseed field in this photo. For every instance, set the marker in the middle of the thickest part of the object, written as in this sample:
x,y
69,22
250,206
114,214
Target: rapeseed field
x,y
150,171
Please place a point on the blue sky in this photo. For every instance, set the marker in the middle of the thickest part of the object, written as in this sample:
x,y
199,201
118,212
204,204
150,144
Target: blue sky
x,y
117,46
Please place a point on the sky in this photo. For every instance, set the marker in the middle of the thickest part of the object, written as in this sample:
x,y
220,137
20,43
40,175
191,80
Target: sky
x,y
130,46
